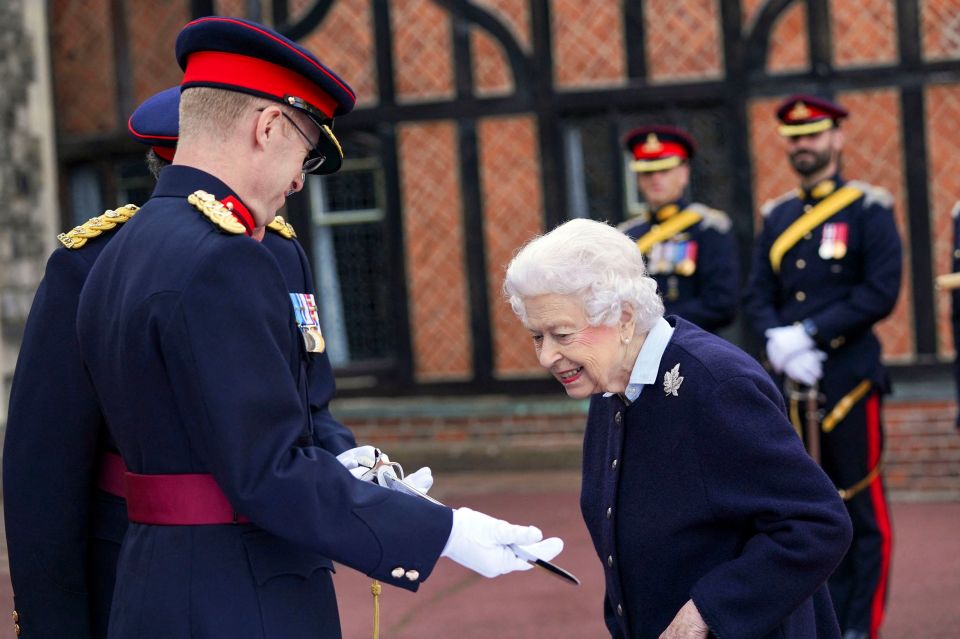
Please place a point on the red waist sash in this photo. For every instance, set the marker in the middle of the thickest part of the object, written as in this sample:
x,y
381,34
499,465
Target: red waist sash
x,y
178,500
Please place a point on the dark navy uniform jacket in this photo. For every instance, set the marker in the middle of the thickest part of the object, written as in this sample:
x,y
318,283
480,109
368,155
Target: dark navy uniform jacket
x,y
708,294
955,304
842,293
64,534
709,495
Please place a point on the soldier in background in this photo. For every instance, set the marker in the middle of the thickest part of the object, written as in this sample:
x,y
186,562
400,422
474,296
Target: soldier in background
x,y
688,247
826,268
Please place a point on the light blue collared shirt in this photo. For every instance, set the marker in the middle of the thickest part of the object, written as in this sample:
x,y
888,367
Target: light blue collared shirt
x,y
648,361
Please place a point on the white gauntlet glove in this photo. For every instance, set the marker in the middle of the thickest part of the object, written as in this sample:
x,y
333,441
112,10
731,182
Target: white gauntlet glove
x,y
806,367
480,542
359,460
784,342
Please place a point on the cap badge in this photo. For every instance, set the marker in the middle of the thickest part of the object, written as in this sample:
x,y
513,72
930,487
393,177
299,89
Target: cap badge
x,y
652,144
800,111
672,380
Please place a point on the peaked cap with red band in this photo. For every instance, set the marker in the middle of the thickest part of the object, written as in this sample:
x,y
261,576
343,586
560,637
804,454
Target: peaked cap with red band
x,y
156,122
807,114
659,147
243,56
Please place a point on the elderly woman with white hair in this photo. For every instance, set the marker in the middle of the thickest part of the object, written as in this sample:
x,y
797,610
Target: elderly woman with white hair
x,y
708,515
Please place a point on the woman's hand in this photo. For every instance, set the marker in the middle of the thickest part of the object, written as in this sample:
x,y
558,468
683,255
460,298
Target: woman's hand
x,y
688,624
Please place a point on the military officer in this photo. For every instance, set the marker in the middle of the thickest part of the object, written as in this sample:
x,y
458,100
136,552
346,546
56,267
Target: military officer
x,y
63,558
826,268
688,246
194,346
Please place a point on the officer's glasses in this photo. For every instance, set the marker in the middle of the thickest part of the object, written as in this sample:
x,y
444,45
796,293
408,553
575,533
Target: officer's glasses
x,y
315,157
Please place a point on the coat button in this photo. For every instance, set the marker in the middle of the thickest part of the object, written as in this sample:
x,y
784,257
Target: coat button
x,y
610,561
16,617
837,342
618,418
801,264
620,610
16,629
800,295
609,513
613,465
413,575
397,572
956,254
808,236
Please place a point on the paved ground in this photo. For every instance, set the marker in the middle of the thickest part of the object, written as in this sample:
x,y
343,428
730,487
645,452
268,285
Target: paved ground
x,y
456,602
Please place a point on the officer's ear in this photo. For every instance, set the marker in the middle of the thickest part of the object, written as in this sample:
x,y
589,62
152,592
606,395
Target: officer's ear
x,y
836,140
268,125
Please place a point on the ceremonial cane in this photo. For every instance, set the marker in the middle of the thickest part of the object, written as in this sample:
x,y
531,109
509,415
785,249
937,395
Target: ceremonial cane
x,y
809,397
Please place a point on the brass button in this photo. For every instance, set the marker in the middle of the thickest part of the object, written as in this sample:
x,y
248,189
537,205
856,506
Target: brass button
x,y
610,561
609,513
16,628
397,572
413,575
808,236
620,610
613,465
807,207
618,418
800,295
16,617
837,342
956,253
836,268
801,264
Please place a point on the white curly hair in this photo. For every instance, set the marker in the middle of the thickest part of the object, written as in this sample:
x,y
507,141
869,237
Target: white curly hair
x,y
592,261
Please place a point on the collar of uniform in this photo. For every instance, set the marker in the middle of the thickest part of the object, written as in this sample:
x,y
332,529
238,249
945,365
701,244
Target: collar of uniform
x,y
667,211
821,189
647,366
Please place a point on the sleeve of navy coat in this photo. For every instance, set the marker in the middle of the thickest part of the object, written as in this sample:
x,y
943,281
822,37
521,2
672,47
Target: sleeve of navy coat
x,y
875,296
757,476
718,273
235,389
48,456
760,298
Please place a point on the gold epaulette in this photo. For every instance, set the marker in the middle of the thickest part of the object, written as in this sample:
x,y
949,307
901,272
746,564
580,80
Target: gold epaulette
x,y
769,205
78,235
712,218
282,228
216,211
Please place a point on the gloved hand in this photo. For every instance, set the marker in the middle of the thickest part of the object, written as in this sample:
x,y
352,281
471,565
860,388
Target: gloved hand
x,y
805,367
422,480
479,542
784,342
359,460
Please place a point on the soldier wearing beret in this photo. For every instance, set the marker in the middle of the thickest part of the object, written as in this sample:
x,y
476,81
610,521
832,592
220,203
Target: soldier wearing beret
x,y
826,268
195,347
689,247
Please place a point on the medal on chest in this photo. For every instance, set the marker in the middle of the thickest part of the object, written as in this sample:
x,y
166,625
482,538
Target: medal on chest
x,y
305,311
833,242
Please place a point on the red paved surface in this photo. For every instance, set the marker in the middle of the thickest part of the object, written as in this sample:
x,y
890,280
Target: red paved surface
x,y
454,601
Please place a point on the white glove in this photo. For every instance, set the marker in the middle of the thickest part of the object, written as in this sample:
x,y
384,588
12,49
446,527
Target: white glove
x,y
784,342
359,460
479,542
806,367
422,480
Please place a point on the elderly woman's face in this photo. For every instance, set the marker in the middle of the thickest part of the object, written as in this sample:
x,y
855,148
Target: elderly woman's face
x,y
585,359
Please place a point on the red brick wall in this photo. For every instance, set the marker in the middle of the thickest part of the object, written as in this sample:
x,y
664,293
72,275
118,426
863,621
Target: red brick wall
x,y
152,30
788,42
940,26
491,71
943,156
863,32
683,40
512,214
433,231
422,51
588,48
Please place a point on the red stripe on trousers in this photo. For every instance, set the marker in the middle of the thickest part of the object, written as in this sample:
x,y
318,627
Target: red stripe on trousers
x,y
880,512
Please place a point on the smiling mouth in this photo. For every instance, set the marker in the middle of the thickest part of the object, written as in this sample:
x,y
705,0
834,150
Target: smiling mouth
x,y
570,376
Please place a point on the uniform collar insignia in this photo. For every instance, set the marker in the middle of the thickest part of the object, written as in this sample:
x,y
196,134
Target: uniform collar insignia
x,y
667,211
672,380
822,190
216,211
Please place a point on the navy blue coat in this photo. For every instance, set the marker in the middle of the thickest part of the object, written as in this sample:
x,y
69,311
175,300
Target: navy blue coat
x,y
955,304
63,556
840,297
709,495
709,295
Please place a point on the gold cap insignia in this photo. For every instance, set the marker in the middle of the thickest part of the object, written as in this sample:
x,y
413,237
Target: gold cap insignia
x,y
800,111
652,144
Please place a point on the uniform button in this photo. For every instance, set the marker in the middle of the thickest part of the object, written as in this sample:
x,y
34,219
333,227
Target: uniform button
x,y
836,268
800,295
956,254
620,610
807,207
613,465
610,561
837,342
16,629
808,236
609,513
397,572
618,418
413,575
801,264
16,617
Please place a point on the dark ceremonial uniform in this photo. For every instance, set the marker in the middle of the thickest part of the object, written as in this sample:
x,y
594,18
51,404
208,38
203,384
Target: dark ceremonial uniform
x,y
701,490
691,253
955,304
65,520
830,258
193,345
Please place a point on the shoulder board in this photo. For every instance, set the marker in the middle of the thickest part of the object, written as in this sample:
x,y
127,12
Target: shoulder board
x,y
282,228
956,210
873,194
78,235
215,211
769,205
712,218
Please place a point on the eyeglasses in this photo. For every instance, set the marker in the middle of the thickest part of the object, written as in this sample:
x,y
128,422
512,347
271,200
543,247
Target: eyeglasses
x,y
314,158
